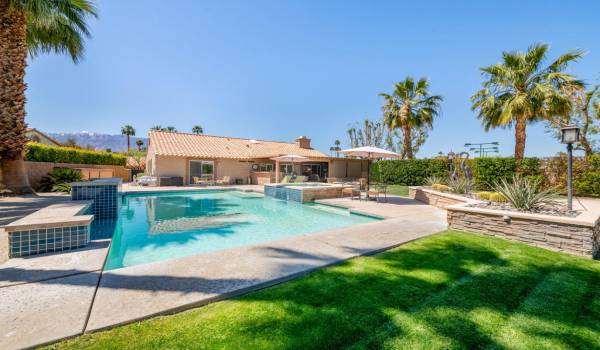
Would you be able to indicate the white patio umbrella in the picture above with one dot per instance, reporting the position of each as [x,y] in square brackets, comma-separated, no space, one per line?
[370,153]
[290,158]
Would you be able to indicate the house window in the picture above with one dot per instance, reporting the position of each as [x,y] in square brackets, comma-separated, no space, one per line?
[264,167]
[286,168]
[201,171]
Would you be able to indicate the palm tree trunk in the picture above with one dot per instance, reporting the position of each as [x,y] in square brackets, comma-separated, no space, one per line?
[128,143]
[520,137]
[407,141]
[13,55]
[585,144]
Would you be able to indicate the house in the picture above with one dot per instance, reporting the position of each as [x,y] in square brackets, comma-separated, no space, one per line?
[35,135]
[194,158]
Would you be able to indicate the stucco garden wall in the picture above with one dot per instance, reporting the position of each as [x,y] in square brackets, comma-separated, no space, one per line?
[37,170]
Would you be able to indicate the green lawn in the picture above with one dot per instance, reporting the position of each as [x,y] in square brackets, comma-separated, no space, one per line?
[399,190]
[451,290]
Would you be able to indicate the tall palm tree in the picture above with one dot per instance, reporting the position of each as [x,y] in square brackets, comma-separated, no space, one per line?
[337,149]
[34,27]
[197,129]
[139,144]
[521,90]
[410,106]
[128,131]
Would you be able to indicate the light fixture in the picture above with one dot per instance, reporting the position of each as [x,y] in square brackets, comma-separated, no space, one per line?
[569,134]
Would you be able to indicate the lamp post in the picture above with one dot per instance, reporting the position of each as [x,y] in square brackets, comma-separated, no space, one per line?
[569,135]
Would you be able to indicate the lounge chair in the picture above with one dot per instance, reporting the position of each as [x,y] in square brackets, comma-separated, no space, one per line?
[300,178]
[377,191]
[147,180]
[226,180]
[286,179]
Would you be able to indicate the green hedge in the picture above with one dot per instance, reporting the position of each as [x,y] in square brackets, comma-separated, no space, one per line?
[37,152]
[551,172]
[408,172]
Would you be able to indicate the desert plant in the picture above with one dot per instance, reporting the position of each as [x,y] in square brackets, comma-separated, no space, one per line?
[524,193]
[485,195]
[57,178]
[497,197]
[435,179]
[440,187]
[460,185]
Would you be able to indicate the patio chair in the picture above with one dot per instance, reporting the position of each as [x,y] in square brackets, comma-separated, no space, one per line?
[353,191]
[377,191]
[226,180]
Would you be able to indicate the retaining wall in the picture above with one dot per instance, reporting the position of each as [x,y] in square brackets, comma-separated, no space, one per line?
[37,170]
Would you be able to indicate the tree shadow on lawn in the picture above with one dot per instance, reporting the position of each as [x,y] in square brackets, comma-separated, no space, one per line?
[442,294]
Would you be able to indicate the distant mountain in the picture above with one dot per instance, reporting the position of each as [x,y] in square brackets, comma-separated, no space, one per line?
[101,142]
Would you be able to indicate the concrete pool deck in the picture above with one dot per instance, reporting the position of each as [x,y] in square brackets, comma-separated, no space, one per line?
[45,300]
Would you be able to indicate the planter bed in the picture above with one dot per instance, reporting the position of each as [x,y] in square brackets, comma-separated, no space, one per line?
[578,235]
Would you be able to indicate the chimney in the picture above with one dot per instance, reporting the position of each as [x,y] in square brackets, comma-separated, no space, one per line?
[303,142]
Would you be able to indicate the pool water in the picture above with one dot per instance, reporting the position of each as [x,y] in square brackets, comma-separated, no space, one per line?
[155,227]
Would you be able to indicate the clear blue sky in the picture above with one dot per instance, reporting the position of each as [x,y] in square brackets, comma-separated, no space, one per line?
[279,69]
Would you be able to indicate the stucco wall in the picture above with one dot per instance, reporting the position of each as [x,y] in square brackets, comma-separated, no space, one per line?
[37,170]
[356,168]
[171,166]
[233,168]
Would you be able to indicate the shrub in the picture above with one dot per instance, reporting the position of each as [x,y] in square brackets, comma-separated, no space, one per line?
[410,172]
[524,193]
[459,185]
[497,197]
[59,179]
[485,195]
[42,153]
[488,171]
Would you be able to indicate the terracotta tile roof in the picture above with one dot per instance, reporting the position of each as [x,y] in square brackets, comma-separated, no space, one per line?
[205,146]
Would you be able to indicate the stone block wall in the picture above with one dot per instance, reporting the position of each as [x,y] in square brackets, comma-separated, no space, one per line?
[554,235]
[434,198]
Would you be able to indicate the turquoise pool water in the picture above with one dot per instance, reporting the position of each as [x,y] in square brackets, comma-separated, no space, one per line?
[154,227]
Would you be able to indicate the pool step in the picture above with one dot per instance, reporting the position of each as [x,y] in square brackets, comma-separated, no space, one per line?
[331,209]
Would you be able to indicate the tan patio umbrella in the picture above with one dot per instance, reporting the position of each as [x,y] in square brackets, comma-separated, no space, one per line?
[290,158]
[370,153]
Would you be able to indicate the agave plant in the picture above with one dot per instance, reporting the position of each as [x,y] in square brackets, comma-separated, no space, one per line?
[59,179]
[460,185]
[524,193]
[435,179]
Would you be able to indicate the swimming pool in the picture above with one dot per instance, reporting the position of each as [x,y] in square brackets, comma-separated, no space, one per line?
[155,227]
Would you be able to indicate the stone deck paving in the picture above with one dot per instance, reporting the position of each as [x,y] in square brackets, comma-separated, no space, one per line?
[50,297]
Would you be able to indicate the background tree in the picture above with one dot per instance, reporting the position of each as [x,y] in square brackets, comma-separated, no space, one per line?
[197,129]
[585,112]
[156,128]
[71,142]
[412,109]
[34,27]
[139,144]
[170,129]
[128,131]
[367,133]
[521,90]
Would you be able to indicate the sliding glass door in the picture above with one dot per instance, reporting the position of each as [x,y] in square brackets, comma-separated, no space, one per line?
[201,171]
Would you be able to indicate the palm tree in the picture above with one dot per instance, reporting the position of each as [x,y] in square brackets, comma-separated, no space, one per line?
[128,131]
[410,106]
[337,148]
[34,27]
[197,129]
[139,144]
[170,129]
[156,128]
[521,90]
